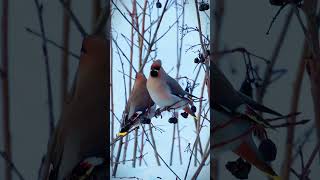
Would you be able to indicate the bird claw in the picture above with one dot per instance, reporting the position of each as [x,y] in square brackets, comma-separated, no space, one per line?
[145,121]
[259,131]
[158,113]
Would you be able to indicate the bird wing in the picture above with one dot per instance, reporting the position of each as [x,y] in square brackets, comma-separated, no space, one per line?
[175,87]
[136,106]
[71,94]
[54,153]
[223,92]
[253,104]
[251,115]
[226,96]
[177,90]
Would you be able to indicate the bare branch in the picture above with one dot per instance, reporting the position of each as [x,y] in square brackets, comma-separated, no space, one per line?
[12,165]
[74,18]
[53,43]
[46,60]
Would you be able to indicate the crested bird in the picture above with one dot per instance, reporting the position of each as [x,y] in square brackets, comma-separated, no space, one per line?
[80,136]
[234,120]
[166,91]
[140,107]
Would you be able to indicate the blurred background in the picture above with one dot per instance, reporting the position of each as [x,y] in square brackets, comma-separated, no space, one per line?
[244,24]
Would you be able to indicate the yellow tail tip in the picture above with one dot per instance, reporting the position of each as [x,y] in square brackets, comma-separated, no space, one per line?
[276,178]
[122,133]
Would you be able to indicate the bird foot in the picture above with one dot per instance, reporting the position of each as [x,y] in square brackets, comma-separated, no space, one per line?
[158,113]
[145,121]
[259,131]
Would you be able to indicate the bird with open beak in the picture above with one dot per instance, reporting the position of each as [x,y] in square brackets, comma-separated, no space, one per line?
[140,107]
[166,91]
[234,120]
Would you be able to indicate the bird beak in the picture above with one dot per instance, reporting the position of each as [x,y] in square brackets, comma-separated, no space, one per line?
[154,72]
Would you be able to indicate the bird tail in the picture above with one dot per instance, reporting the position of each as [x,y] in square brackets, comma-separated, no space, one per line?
[248,152]
[276,178]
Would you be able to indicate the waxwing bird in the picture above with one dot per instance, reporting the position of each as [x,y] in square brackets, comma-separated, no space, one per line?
[234,120]
[226,99]
[81,134]
[140,107]
[166,91]
[234,134]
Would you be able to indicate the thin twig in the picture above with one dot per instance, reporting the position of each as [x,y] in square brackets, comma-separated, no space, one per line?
[159,154]
[47,67]
[111,103]
[53,43]
[154,145]
[308,164]
[114,171]
[313,64]
[65,55]
[74,18]
[5,87]
[274,57]
[115,42]
[204,159]
[11,165]
[128,20]
[133,14]
[154,36]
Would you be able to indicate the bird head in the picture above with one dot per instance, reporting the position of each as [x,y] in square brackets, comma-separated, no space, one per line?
[96,47]
[140,76]
[141,80]
[155,68]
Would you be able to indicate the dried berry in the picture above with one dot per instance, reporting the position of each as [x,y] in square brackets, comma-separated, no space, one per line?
[186,89]
[184,114]
[193,109]
[173,120]
[203,6]
[268,150]
[196,60]
[158,4]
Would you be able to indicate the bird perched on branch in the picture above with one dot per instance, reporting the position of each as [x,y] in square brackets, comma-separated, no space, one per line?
[140,107]
[166,91]
[234,120]
[81,134]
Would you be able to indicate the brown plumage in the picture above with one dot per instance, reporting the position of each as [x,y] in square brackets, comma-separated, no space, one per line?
[82,129]
[139,100]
